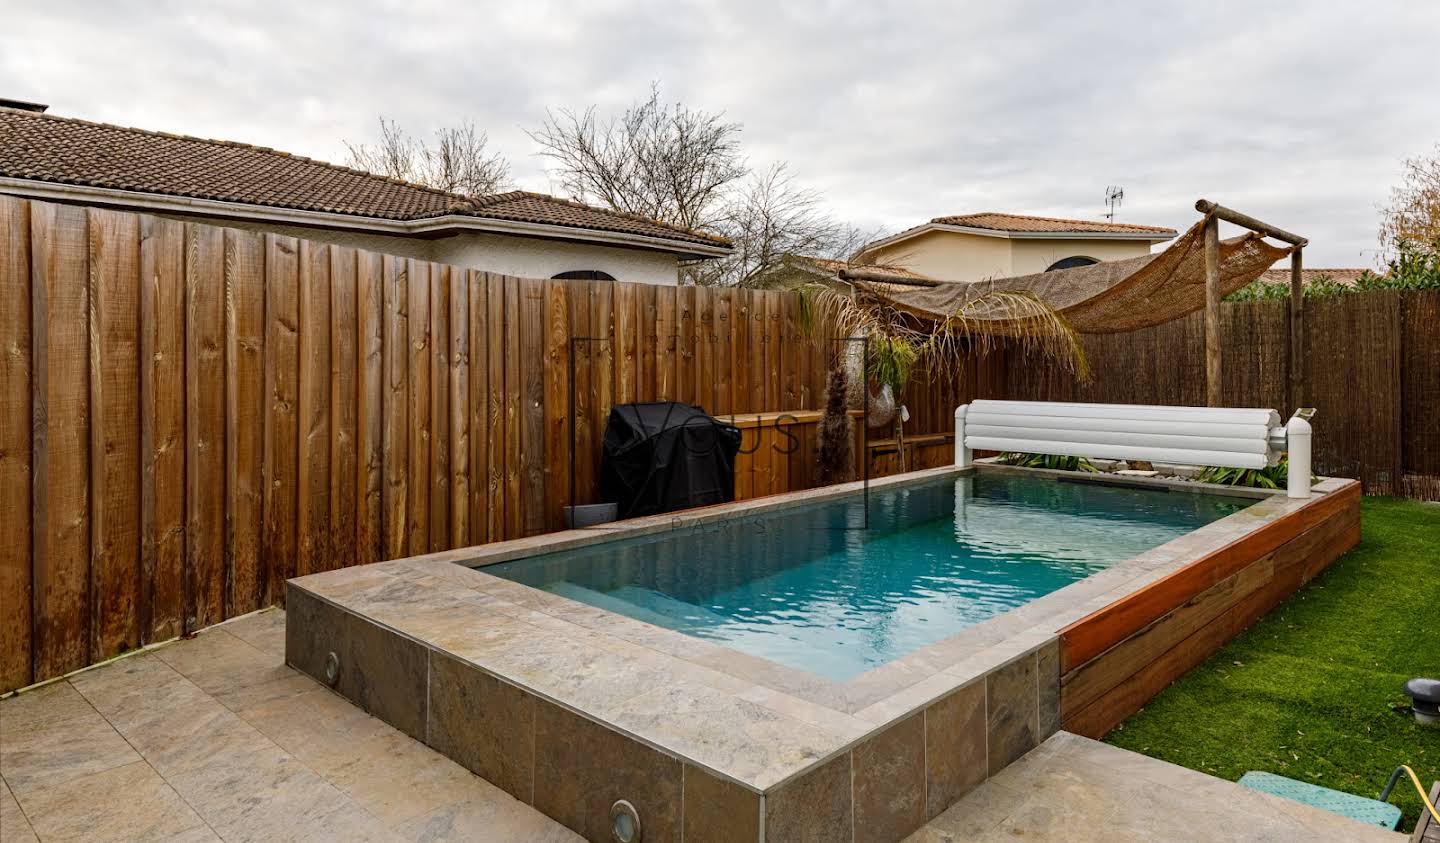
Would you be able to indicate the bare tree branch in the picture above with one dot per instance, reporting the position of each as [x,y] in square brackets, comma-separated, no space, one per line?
[458,162]
[1413,215]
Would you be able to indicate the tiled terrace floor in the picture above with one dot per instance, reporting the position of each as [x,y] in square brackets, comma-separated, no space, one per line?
[214,738]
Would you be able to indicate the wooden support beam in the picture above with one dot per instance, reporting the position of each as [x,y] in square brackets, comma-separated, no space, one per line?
[1297,331]
[1205,206]
[1212,312]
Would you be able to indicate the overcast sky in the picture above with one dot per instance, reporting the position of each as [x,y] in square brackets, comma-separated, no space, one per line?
[895,112]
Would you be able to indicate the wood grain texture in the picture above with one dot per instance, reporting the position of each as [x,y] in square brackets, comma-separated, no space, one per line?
[344,405]
[60,401]
[459,385]
[515,507]
[15,457]
[282,424]
[439,472]
[495,406]
[244,422]
[479,409]
[204,425]
[114,262]
[370,409]
[395,526]
[419,398]
[532,337]
[557,401]
[313,526]
[162,428]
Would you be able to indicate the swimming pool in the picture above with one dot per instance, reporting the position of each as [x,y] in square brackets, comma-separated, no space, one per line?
[821,589]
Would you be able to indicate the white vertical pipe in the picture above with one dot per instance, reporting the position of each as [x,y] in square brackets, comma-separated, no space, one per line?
[963,456]
[1298,434]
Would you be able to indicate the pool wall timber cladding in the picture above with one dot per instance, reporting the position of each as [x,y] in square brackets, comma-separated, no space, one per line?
[1119,657]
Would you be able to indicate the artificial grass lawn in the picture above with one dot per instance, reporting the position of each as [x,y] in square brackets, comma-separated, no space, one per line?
[1311,690]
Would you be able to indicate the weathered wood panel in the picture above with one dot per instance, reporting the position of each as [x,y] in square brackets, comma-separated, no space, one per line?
[396,413]
[282,423]
[370,409]
[532,339]
[418,465]
[439,471]
[344,404]
[313,519]
[115,435]
[204,425]
[15,456]
[60,400]
[244,421]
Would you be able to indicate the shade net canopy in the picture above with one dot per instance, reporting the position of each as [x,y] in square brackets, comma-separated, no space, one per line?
[665,456]
[1103,298]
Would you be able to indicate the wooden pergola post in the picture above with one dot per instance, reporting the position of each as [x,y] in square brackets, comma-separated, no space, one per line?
[1213,214]
[1212,312]
[1297,330]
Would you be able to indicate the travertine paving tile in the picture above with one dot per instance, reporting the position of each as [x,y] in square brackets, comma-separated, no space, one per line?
[263,630]
[13,824]
[56,752]
[124,803]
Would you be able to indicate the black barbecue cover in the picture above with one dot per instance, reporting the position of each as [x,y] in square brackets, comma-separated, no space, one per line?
[666,456]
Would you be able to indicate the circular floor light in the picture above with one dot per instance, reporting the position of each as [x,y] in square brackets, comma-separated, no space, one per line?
[624,822]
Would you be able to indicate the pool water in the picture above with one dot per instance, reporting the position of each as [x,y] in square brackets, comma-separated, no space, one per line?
[820,589]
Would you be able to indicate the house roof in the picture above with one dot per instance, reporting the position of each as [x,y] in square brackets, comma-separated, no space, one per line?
[63,150]
[993,221]
[1346,276]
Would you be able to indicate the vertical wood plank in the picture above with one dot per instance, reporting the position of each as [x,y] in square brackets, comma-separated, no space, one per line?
[557,401]
[724,352]
[755,351]
[370,411]
[602,367]
[115,436]
[15,465]
[282,423]
[774,359]
[495,405]
[686,389]
[626,342]
[396,431]
[707,393]
[60,304]
[418,517]
[204,425]
[244,420]
[579,433]
[515,509]
[532,426]
[648,327]
[162,427]
[479,409]
[666,344]
[439,470]
[344,404]
[313,517]
[459,315]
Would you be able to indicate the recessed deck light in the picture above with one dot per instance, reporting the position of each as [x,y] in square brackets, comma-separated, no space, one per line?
[624,822]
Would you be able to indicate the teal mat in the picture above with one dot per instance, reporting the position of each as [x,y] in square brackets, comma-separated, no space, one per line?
[1368,811]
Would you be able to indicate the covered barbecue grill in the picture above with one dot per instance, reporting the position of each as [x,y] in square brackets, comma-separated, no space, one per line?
[666,456]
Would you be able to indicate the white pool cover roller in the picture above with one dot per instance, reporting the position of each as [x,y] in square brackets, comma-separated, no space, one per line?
[1218,436]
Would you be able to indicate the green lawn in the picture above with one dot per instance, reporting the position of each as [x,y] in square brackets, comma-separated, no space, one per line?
[1311,690]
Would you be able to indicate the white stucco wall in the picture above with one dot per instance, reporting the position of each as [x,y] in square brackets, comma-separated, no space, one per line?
[958,256]
[525,257]
[1038,255]
[950,255]
[529,257]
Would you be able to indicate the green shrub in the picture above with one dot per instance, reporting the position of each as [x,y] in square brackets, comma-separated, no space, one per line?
[1414,267]
[1270,477]
[1050,461]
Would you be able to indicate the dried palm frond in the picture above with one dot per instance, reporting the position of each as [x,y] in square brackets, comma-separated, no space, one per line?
[1016,318]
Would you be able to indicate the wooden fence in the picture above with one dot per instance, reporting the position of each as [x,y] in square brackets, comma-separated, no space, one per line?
[189,415]
[1372,369]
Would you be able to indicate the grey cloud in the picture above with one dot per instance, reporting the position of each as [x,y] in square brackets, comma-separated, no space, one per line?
[896,112]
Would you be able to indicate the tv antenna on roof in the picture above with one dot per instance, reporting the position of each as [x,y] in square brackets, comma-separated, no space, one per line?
[1114,196]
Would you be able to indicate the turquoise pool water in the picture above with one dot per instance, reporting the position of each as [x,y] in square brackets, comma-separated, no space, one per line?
[814,589]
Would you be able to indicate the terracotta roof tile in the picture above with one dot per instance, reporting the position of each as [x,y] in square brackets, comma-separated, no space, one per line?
[1345,276]
[44,147]
[1021,223]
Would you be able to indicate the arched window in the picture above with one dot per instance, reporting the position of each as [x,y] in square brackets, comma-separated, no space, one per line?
[1070,263]
[584,275]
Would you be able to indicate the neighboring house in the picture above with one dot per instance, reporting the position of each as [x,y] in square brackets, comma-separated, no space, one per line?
[1345,277]
[793,271]
[973,247]
[531,235]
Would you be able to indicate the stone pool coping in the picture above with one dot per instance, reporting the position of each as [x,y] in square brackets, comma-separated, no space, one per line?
[733,718]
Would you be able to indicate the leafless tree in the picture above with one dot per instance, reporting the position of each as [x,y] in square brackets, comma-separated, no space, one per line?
[457,162]
[1413,215]
[659,160]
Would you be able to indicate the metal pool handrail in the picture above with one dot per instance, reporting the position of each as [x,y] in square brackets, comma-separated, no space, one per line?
[1212,436]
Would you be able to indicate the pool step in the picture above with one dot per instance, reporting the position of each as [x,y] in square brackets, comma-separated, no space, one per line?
[1368,811]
